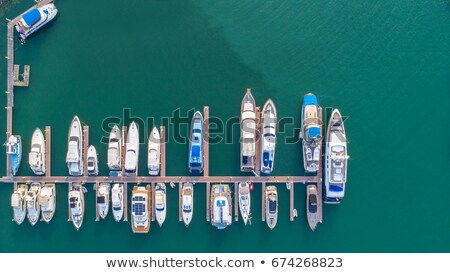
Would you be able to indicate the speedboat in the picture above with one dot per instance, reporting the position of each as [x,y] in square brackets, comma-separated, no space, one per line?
[311,133]
[271,206]
[103,200]
[117,201]
[33,208]
[76,205]
[115,149]
[132,153]
[244,201]
[14,151]
[268,138]
[140,209]
[221,206]
[34,19]
[47,201]
[18,203]
[336,158]
[92,161]
[187,197]
[196,144]
[36,157]
[74,157]
[248,132]
[160,203]
[154,153]
[311,206]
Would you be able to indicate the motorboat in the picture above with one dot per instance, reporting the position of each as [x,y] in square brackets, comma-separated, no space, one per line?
[74,157]
[33,208]
[19,204]
[117,201]
[115,149]
[221,206]
[34,19]
[311,133]
[248,132]
[311,206]
[103,199]
[187,197]
[154,146]
[132,150]
[47,201]
[196,144]
[268,137]
[244,201]
[160,203]
[36,157]
[92,161]
[271,206]
[14,152]
[140,209]
[76,205]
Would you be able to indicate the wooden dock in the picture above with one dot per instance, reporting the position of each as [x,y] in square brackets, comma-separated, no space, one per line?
[153,202]
[162,158]
[319,175]
[180,202]
[125,202]
[97,215]
[85,149]
[206,160]
[48,151]
[236,201]
[291,201]
[25,76]
[263,201]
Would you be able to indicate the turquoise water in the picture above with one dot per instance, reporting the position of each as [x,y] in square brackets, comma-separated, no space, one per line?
[384,64]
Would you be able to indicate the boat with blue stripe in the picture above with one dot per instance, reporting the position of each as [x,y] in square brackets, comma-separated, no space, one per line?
[268,138]
[196,144]
[14,151]
[311,133]
[35,19]
[221,206]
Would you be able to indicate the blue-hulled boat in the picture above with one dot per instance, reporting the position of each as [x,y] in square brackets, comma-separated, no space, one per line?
[268,138]
[311,133]
[34,19]
[196,144]
[221,206]
[14,151]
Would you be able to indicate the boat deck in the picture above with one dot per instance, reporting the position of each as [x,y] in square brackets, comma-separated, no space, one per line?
[216,193]
[148,210]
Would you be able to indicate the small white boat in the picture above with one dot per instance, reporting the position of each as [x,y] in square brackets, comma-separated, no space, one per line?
[132,153]
[18,203]
[74,157]
[271,206]
[34,19]
[103,200]
[140,209]
[221,206]
[117,201]
[311,206]
[14,151]
[248,132]
[154,144]
[188,202]
[76,205]
[268,137]
[115,149]
[47,201]
[33,208]
[36,157]
[160,203]
[244,201]
[92,161]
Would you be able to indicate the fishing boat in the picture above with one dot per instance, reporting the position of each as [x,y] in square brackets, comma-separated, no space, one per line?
[36,157]
[196,144]
[187,197]
[14,151]
[103,200]
[271,206]
[140,209]
[311,133]
[244,201]
[115,149]
[47,201]
[18,203]
[74,157]
[117,201]
[269,138]
[248,132]
[160,203]
[221,206]
[311,206]
[92,161]
[336,158]
[154,144]
[34,19]
[33,208]
[132,152]
[76,205]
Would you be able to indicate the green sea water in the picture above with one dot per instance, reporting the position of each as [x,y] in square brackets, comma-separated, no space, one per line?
[384,64]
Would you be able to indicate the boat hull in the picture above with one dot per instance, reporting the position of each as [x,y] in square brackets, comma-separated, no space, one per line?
[74,157]
[160,203]
[132,150]
[188,203]
[77,213]
[115,149]
[271,206]
[245,201]
[36,157]
[268,137]
[154,153]
[47,14]
[311,206]
[117,201]
[48,206]
[248,133]
[196,144]
[140,221]
[311,133]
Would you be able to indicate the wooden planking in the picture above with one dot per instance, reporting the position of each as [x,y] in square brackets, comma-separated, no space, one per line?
[85,148]
[180,201]
[124,147]
[258,143]
[97,215]
[236,201]
[208,201]
[319,175]
[153,201]
[125,202]
[68,206]
[263,201]
[206,141]
[162,171]
[291,200]
[48,151]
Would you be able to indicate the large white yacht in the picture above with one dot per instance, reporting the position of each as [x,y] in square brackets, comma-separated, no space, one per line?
[117,201]
[311,133]
[33,208]
[154,153]
[76,205]
[268,137]
[74,157]
[132,153]
[271,206]
[115,149]
[244,201]
[34,19]
[47,201]
[248,132]
[140,209]
[36,157]
[196,144]
[311,206]
[18,203]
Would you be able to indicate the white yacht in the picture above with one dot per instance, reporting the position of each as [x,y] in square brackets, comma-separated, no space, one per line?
[92,161]
[36,157]
[311,206]
[221,206]
[34,19]
[14,152]
[271,206]
[74,157]
[244,201]
[154,153]
[115,149]
[103,199]
[76,205]
[311,133]
[18,203]
[248,132]
[188,202]
[336,158]
[117,201]
[196,144]
[140,209]
[160,203]
[268,137]
[33,208]
[132,152]
[47,201]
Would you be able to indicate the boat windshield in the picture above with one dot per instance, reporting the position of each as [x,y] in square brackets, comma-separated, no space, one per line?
[312,206]
[272,206]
